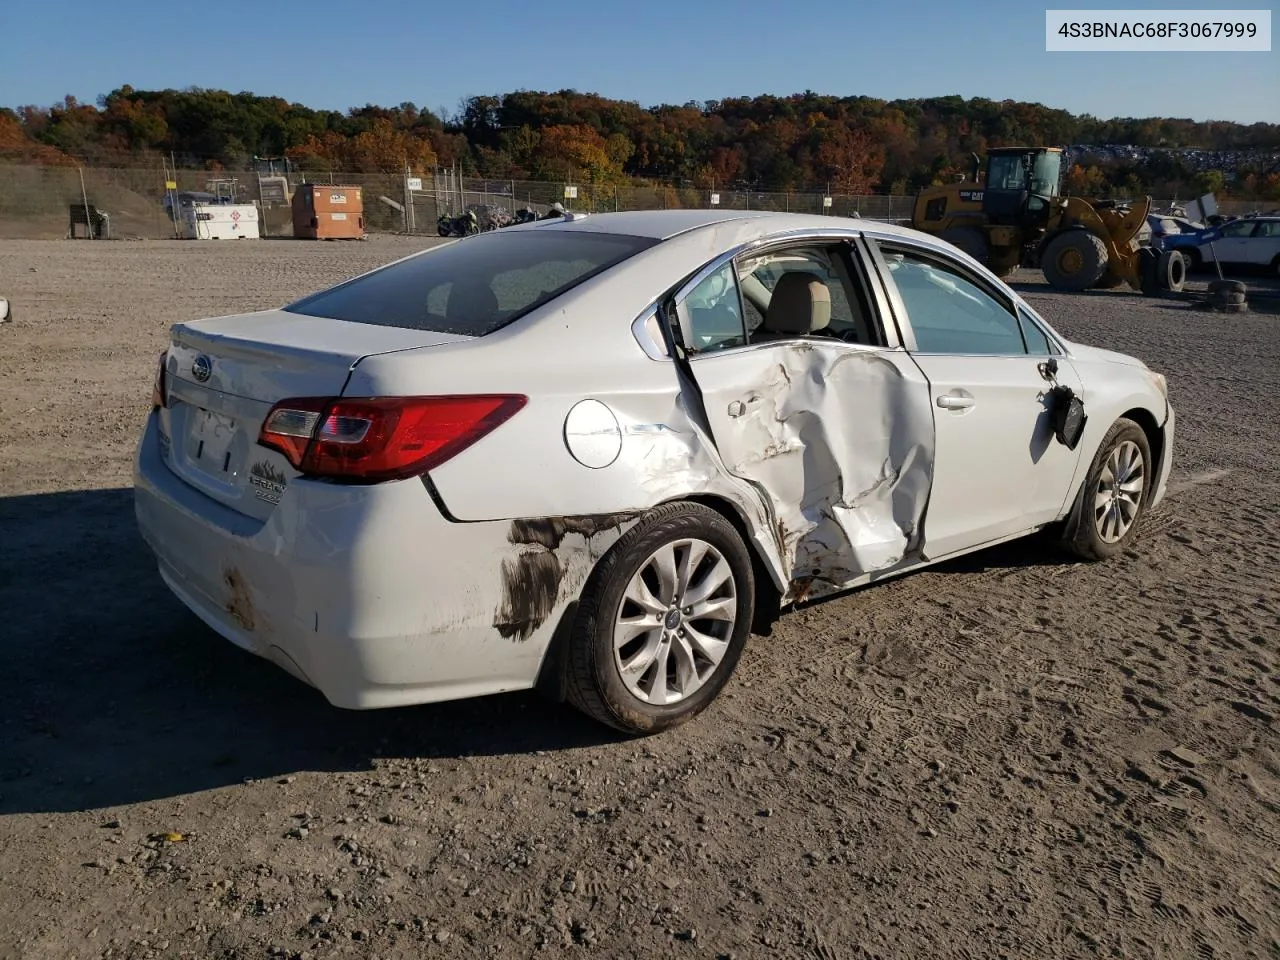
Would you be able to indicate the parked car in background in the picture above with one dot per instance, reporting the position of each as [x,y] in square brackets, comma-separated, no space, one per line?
[592,454]
[1162,227]
[1250,243]
[1166,226]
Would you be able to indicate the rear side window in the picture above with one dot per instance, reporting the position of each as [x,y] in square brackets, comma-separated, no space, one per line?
[476,285]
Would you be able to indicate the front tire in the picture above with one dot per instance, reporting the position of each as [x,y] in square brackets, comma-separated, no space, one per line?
[1074,260]
[1113,499]
[662,621]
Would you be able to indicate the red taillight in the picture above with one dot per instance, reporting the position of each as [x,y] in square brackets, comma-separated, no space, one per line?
[386,438]
[159,389]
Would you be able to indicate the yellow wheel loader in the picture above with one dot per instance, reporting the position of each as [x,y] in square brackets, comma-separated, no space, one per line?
[1014,216]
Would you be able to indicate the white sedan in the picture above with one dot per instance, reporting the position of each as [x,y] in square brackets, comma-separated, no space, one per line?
[590,455]
[1252,242]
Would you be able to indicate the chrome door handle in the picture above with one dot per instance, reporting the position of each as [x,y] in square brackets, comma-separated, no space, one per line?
[951,402]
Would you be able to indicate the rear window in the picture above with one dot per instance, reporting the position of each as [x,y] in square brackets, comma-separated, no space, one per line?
[474,286]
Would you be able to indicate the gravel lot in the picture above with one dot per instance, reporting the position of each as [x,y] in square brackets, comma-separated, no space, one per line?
[1009,756]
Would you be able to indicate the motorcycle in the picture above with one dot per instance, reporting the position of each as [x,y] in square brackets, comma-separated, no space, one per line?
[463,225]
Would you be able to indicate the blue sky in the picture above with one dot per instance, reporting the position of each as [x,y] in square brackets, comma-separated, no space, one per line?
[330,55]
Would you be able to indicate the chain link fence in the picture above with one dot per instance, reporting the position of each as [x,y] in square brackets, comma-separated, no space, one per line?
[45,202]
[41,202]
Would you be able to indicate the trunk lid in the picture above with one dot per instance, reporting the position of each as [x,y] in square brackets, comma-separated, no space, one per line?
[225,374]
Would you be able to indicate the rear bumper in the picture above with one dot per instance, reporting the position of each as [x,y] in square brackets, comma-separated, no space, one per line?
[365,592]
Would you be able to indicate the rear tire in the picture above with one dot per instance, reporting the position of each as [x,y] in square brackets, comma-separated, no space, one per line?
[678,661]
[1074,260]
[1113,498]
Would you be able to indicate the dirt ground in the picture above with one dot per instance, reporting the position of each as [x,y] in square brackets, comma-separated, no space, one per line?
[1010,756]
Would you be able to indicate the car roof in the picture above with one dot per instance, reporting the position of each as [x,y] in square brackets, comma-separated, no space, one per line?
[664,224]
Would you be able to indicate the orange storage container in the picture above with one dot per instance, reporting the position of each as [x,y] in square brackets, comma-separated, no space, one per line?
[323,212]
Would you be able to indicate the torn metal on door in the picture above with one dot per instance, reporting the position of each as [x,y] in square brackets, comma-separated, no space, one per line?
[839,441]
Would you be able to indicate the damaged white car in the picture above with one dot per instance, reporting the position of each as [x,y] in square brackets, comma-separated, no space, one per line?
[590,455]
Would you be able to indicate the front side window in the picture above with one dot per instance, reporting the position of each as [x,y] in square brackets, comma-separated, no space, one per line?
[948,311]
[1241,229]
[843,316]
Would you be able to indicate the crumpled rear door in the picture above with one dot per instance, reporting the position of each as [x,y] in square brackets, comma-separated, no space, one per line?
[838,439]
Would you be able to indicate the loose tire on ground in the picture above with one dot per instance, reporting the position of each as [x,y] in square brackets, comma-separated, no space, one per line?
[594,681]
[969,239]
[1172,271]
[1227,286]
[1074,260]
[1090,539]
[1225,298]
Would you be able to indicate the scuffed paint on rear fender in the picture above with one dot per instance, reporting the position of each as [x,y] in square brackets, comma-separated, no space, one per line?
[550,563]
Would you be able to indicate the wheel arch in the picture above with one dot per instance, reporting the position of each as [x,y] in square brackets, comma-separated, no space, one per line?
[1151,429]
[1155,435]
[767,590]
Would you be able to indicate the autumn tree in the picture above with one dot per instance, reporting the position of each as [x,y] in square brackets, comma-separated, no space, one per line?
[16,146]
[569,152]
[384,149]
[799,141]
[849,159]
[1084,182]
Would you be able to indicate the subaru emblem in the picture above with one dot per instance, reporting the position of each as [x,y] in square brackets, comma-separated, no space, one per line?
[202,368]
